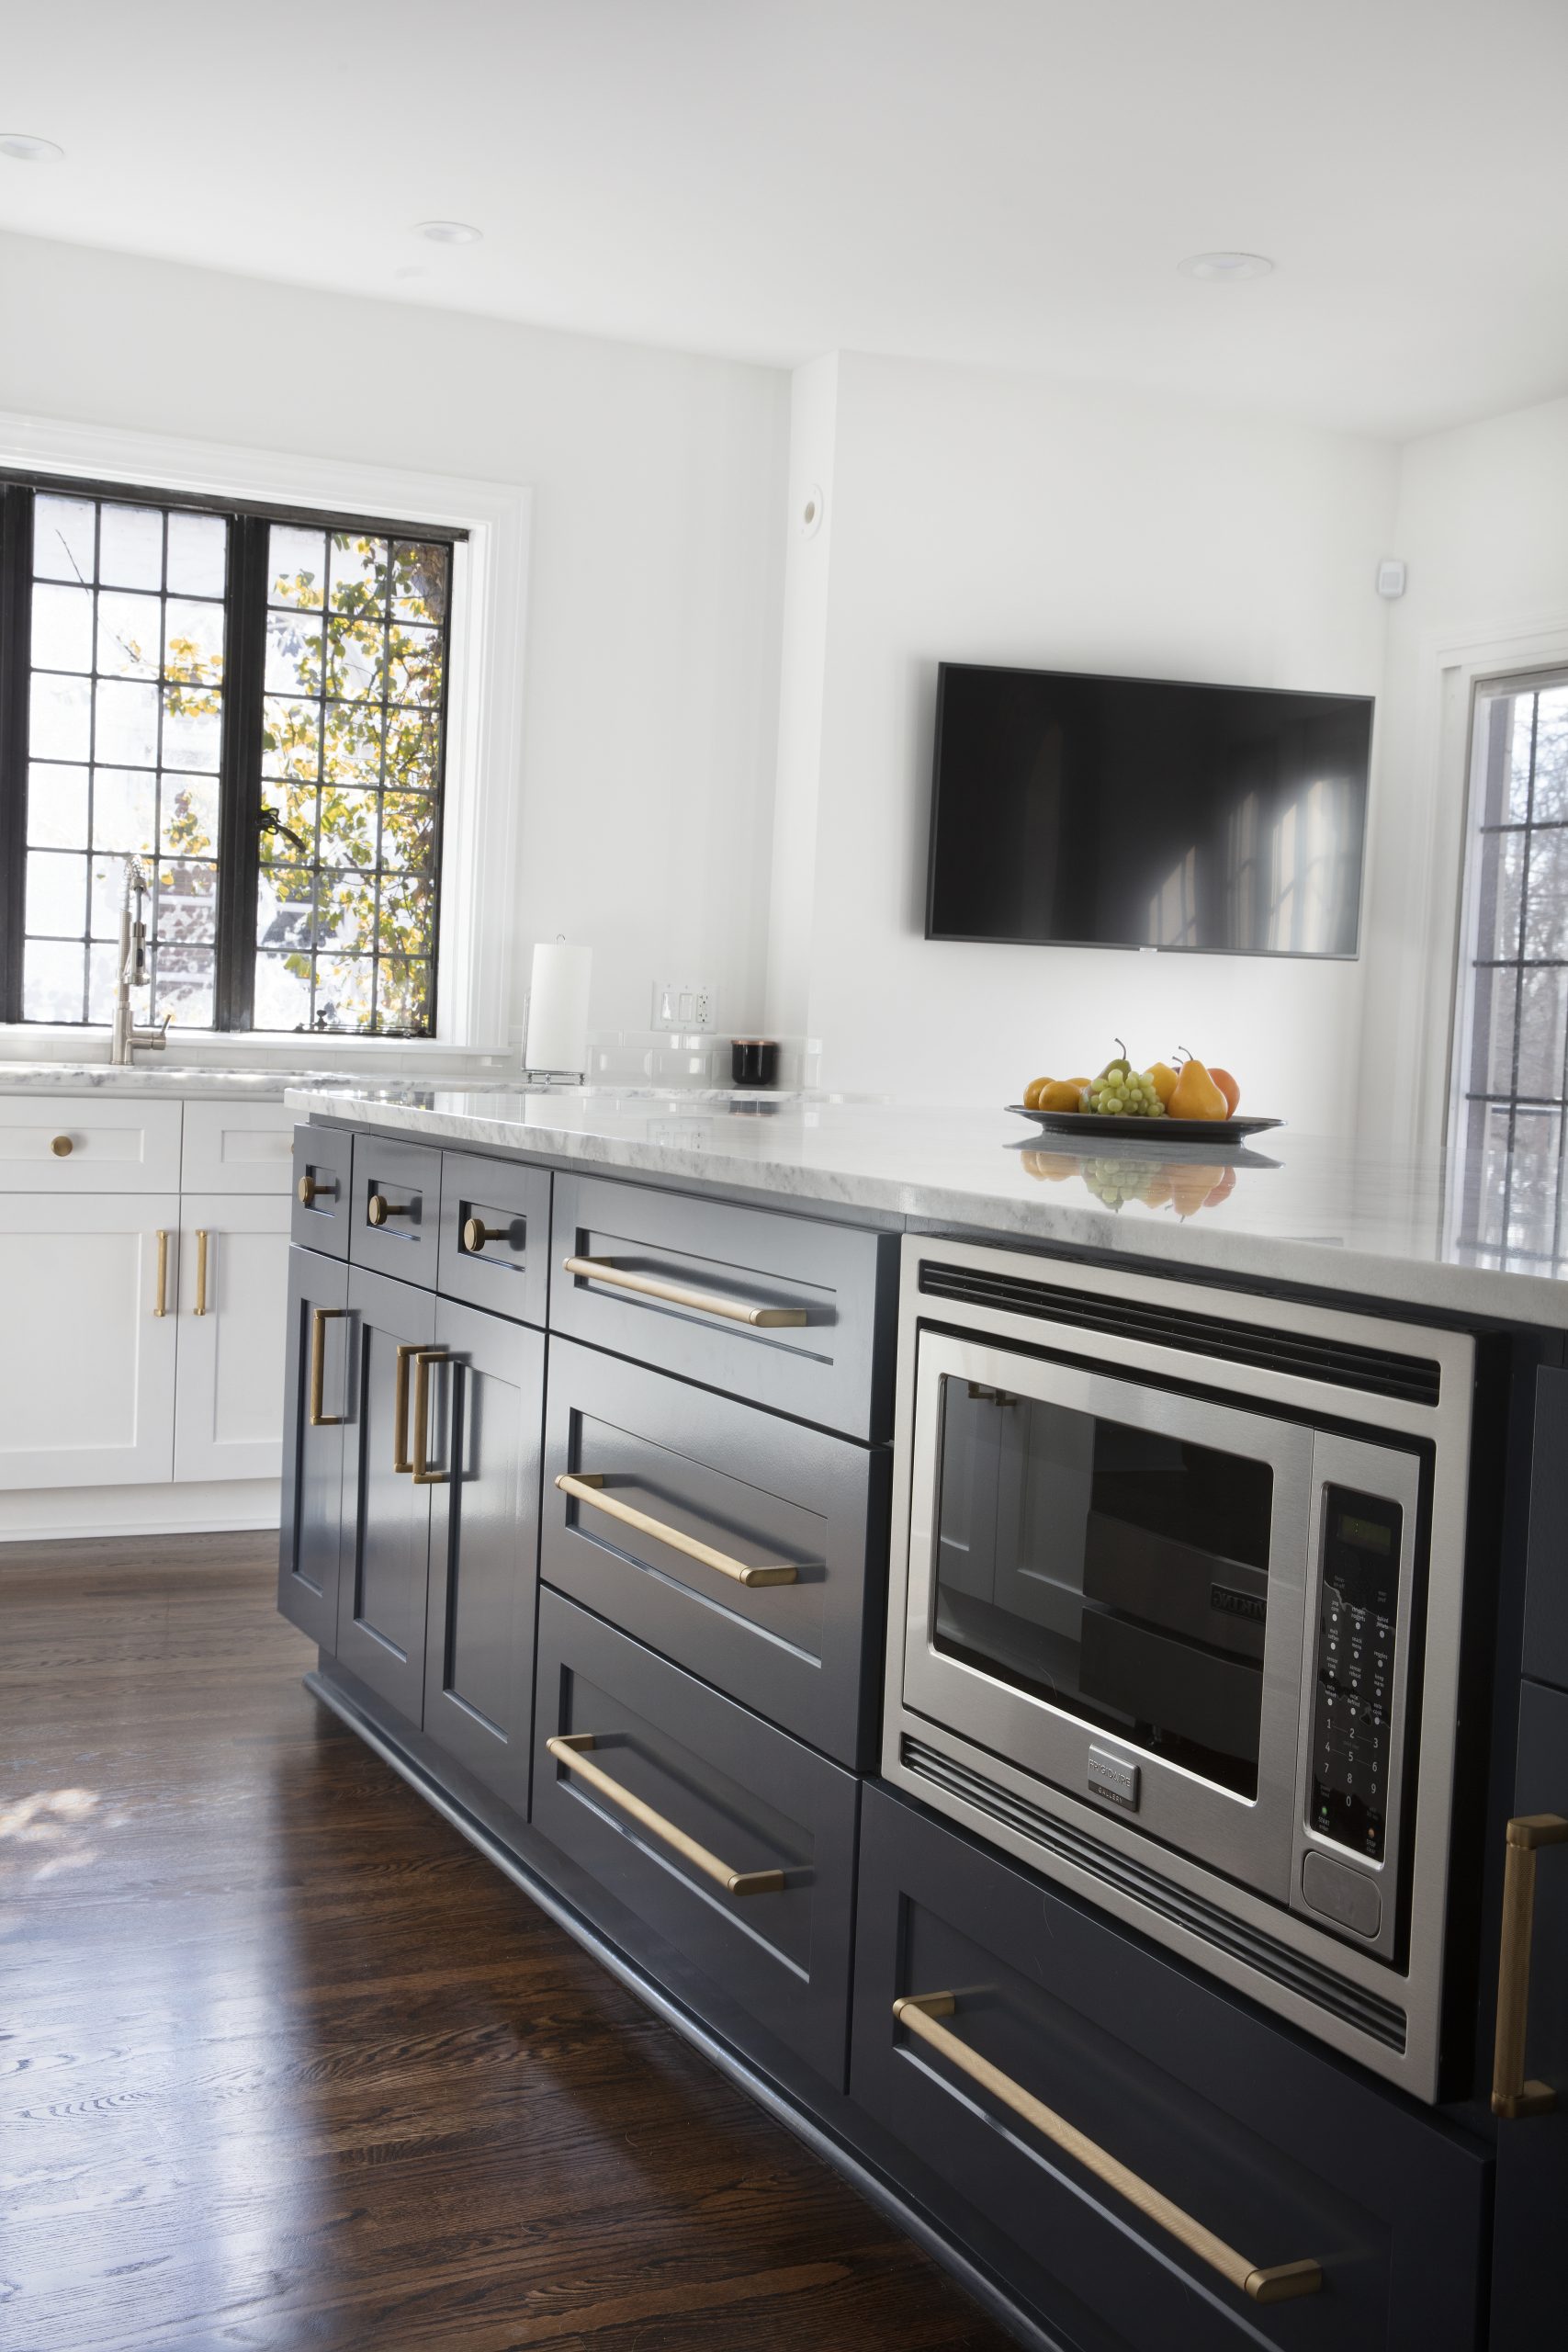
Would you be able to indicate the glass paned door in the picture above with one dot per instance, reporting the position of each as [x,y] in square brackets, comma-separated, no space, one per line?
[1115,1571]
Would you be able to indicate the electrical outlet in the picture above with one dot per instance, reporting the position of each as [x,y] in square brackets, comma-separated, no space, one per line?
[682,1004]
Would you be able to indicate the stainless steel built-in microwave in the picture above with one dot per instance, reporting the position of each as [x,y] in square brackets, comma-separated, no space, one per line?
[1175,1618]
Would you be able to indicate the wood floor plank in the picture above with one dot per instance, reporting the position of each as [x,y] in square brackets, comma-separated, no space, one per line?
[285,2067]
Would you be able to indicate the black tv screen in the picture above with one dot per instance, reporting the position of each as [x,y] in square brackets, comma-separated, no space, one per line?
[1137,812]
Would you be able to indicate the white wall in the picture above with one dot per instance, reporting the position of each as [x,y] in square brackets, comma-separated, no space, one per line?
[650,729]
[978,516]
[1482,523]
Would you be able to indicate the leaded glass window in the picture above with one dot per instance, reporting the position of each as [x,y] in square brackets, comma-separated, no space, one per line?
[252,705]
[1512,1041]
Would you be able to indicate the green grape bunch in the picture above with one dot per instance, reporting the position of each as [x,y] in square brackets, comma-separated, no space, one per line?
[1122,1092]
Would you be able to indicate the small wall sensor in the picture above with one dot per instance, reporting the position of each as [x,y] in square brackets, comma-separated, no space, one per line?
[1390,577]
[810,512]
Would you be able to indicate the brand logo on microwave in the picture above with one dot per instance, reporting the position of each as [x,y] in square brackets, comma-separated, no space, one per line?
[1113,1777]
[1232,1603]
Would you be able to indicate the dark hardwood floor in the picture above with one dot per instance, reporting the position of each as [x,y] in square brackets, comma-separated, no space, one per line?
[284,2064]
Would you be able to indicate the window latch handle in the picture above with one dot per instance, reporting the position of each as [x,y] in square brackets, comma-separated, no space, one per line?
[269,821]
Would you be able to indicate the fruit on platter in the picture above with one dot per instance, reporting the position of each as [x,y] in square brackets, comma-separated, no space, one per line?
[1188,1089]
[1196,1096]
[1054,1094]
[1122,1092]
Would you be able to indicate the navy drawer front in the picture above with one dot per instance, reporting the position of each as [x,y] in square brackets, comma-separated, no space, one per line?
[322,1173]
[1279,2153]
[827,1294]
[804,1513]
[494,1249]
[776,1820]
[394,1216]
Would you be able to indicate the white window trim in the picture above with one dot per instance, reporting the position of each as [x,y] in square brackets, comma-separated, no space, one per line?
[484,711]
[1423,1005]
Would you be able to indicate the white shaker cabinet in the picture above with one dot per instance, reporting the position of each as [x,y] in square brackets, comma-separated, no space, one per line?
[233,1284]
[144,1274]
[88,1361]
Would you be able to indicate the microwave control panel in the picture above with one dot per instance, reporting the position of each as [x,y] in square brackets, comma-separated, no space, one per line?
[1358,1627]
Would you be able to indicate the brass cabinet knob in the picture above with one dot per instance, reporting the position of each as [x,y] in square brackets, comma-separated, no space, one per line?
[379,1208]
[63,1146]
[310,1192]
[476,1233]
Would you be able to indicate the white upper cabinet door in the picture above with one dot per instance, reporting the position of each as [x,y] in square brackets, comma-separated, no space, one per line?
[88,1361]
[237,1148]
[233,1324]
[64,1144]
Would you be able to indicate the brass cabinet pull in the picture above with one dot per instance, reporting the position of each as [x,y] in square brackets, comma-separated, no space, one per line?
[201,1270]
[161,1302]
[424,1475]
[703,1302]
[63,1146]
[319,1317]
[476,1233]
[309,1192]
[379,1208]
[587,1487]
[1282,2283]
[568,1748]
[407,1349]
[1512,2097]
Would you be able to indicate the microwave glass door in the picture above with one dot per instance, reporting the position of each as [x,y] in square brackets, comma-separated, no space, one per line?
[1119,1572]
[1101,1568]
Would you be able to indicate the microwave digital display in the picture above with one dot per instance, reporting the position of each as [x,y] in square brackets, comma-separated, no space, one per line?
[1366,1535]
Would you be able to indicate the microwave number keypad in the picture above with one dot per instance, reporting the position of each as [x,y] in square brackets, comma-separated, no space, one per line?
[1358,1614]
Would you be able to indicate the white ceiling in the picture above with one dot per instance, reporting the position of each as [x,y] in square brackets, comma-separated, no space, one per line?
[1008,182]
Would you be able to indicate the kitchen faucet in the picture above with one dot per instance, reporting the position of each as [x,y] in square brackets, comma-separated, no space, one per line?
[131,970]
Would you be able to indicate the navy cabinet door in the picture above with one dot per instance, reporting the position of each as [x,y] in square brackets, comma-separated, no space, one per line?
[1532,2150]
[1285,2156]
[316,1389]
[386,1551]
[1546,1596]
[487,1411]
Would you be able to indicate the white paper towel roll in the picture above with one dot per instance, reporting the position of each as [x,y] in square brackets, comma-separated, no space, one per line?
[558,1007]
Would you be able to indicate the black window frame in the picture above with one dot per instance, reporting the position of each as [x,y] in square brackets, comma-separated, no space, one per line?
[240,781]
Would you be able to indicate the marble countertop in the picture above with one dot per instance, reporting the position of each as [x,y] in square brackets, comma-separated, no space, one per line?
[171,1079]
[1473,1239]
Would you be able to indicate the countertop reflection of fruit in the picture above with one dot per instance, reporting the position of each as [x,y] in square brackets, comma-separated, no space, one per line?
[1051,1167]
[1184,1185]
[1196,1096]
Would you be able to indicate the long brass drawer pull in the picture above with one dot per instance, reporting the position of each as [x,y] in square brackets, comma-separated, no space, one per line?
[160,1302]
[424,1475]
[702,1302]
[1512,2097]
[587,1487]
[570,1748]
[407,1350]
[1282,2284]
[319,1317]
[201,1270]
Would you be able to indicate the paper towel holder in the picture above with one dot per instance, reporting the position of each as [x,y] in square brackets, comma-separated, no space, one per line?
[555,1026]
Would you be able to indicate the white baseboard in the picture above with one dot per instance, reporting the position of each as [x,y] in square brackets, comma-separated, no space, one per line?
[215,1506]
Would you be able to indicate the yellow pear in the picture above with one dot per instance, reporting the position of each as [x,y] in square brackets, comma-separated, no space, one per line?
[1196,1096]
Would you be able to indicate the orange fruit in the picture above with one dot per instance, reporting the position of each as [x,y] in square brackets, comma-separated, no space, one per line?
[1227,1086]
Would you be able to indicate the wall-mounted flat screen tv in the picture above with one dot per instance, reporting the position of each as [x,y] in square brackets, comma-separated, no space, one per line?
[1081,810]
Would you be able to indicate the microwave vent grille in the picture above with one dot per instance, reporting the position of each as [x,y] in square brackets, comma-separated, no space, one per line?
[1382,2021]
[1378,1370]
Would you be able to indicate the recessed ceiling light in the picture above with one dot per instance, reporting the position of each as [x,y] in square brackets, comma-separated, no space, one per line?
[1226,269]
[448,232]
[23,148]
